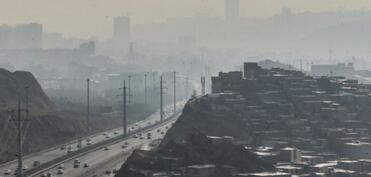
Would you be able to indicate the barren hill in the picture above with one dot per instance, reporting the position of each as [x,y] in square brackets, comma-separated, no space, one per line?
[189,144]
[13,84]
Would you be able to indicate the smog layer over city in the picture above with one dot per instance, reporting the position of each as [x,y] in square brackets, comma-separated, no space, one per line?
[185,88]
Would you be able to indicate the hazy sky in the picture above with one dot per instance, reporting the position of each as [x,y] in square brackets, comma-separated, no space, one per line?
[94,17]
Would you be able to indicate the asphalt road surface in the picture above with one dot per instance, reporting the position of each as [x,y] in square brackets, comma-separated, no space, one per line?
[55,152]
[104,161]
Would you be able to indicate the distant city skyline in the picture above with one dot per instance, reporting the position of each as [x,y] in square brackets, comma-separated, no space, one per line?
[85,18]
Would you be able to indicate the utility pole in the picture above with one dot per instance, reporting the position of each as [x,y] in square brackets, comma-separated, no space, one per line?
[208,80]
[20,132]
[187,96]
[161,99]
[26,124]
[88,104]
[145,88]
[20,145]
[203,85]
[174,97]
[27,89]
[154,87]
[129,88]
[124,109]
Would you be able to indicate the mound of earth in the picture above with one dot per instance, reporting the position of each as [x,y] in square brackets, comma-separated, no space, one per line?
[198,117]
[14,84]
[190,143]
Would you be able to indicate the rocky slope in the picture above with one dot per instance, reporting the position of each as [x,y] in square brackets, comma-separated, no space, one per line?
[189,143]
[41,127]
[198,117]
[13,85]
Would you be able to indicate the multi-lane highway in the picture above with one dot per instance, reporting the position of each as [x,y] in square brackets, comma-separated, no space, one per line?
[104,161]
[48,155]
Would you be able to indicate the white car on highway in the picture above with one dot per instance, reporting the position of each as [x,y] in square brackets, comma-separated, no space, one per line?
[108,135]
[61,166]
[7,172]
[25,167]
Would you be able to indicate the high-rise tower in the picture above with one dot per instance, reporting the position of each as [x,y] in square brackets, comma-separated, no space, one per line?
[232,9]
[121,34]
